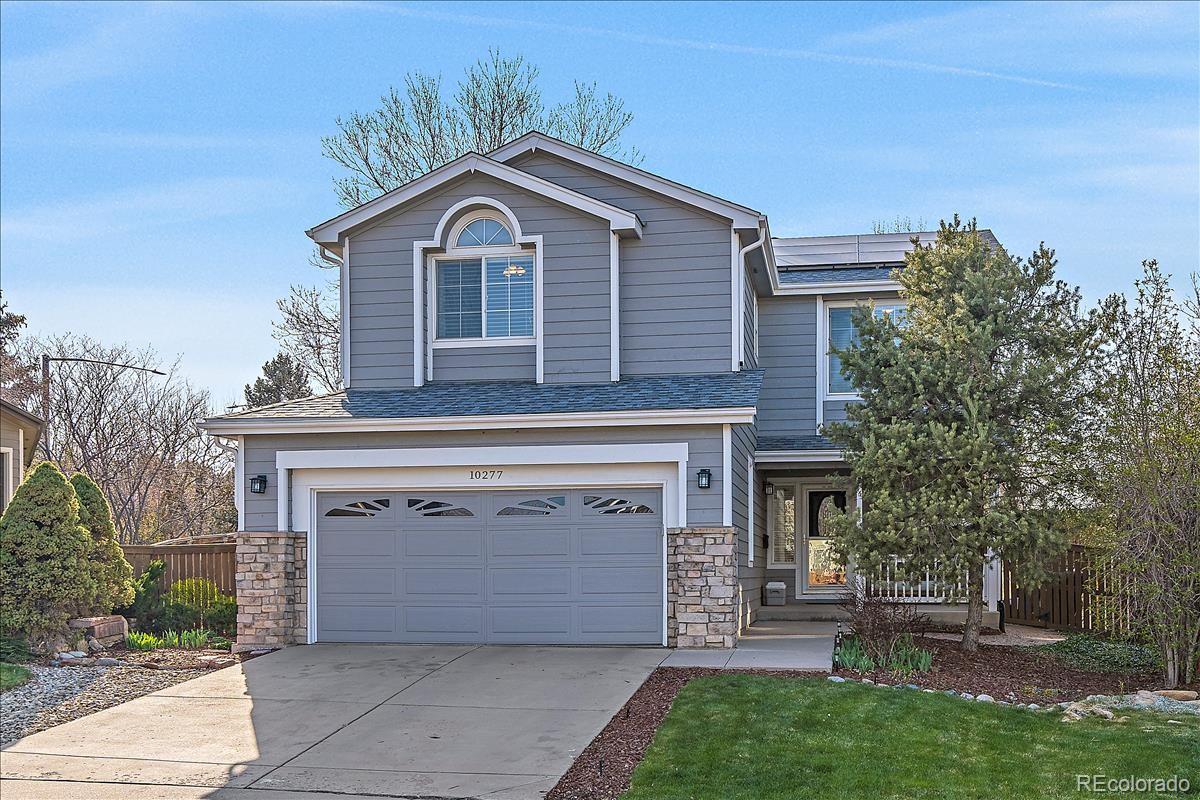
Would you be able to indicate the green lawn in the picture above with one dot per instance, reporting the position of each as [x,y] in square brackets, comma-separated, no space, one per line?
[12,675]
[734,736]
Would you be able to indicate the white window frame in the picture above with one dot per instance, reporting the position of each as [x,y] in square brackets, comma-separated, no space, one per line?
[825,372]
[482,254]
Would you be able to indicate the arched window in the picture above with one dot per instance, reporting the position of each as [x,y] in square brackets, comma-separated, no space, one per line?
[484,232]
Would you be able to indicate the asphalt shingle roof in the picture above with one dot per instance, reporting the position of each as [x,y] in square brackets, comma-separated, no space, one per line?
[800,277]
[655,393]
[770,443]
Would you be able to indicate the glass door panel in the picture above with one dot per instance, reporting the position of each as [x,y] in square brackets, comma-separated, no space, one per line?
[822,569]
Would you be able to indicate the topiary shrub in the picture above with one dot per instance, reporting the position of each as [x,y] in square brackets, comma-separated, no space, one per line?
[114,575]
[45,574]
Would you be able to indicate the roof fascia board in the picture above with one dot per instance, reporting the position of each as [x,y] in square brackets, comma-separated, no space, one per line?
[801,456]
[329,233]
[846,287]
[732,415]
[740,216]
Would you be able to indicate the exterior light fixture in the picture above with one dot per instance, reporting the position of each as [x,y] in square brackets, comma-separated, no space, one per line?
[513,270]
[258,484]
[769,489]
[704,479]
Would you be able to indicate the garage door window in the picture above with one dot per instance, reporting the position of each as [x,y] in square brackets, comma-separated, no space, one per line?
[438,508]
[534,507]
[600,504]
[359,508]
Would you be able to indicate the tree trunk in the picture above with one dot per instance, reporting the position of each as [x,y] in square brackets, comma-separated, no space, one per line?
[970,640]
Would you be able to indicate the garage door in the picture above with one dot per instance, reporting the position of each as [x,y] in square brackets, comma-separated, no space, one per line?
[557,566]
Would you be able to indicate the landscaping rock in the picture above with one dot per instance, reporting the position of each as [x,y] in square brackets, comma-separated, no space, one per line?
[868,681]
[967,696]
[832,678]
[985,698]
[1033,706]
[911,686]
[93,645]
[1177,694]
[77,654]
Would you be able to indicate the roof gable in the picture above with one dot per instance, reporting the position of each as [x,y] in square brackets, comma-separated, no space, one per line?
[329,233]
[740,216]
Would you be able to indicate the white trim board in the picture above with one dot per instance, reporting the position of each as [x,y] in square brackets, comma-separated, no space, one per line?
[839,287]
[727,475]
[800,456]
[329,233]
[737,415]
[614,308]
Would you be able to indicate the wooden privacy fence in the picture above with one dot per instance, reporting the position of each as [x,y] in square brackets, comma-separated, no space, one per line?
[1079,595]
[217,562]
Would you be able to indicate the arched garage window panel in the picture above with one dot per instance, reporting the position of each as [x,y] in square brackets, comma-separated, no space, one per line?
[601,504]
[360,508]
[438,508]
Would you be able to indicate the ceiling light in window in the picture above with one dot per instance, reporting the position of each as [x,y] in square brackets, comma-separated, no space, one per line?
[513,270]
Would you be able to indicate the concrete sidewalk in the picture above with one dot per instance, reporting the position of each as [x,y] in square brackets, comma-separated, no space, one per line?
[361,720]
[769,645]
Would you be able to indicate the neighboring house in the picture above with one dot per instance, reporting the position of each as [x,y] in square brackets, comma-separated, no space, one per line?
[590,414]
[19,433]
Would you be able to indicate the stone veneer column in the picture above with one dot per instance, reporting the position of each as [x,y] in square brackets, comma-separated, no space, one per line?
[702,587]
[271,576]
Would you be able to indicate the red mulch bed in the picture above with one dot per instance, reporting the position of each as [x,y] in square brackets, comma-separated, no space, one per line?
[997,670]
[604,769]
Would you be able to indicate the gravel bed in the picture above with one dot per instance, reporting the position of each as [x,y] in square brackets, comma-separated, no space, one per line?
[55,695]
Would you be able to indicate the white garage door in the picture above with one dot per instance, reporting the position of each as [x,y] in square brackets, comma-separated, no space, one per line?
[549,566]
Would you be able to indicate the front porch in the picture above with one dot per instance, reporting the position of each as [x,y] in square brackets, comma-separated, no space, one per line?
[830,611]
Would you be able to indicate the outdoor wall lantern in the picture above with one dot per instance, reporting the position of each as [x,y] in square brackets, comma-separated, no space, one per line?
[704,478]
[769,489]
[258,484]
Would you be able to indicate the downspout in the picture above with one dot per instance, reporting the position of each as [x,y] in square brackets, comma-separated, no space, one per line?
[762,238]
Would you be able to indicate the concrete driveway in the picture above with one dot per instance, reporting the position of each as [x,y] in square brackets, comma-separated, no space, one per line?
[367,720]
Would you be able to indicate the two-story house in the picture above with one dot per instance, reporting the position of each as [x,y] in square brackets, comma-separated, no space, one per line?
[582,404]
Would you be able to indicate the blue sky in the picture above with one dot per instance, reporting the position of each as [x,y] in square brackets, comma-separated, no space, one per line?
[159,163]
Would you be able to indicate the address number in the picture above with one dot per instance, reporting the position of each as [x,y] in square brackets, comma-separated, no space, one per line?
[485,474]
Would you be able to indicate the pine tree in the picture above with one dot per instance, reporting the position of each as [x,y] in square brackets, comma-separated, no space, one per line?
[966,443]
[45,576]
[283,378]
[113,574]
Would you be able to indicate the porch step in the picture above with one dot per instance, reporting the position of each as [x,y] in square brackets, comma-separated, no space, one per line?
[830,612]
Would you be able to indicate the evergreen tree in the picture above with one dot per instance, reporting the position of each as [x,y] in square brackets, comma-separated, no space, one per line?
[966,443]
[113,574]
[283,378]
[45,575]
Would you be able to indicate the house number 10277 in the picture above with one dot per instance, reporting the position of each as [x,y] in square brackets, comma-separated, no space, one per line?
[485,474]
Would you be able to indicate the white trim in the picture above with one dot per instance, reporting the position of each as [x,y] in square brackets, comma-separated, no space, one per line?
[736,302]
[737,415]
[614,308]
[494,341]
[509,223]
[283,496]
[239,482]
[422,355]
[822,354]
[840,287]
[739,215]
[20,466]
[374,458]
[750,492]
[806,456]
[9,487]
[331,231]
[344,299]
[726,475]
[539,348]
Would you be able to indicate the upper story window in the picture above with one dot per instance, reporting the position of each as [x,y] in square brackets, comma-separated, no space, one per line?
[488,295]
[842,333]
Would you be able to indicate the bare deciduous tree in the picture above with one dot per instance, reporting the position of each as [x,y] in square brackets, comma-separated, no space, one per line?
[136,435]
[309,330]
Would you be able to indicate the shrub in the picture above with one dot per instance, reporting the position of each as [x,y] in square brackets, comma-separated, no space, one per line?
[45,575]
[880,625]
[14,650]
[198,602]
[1093,654]
[147,607]
[114,576]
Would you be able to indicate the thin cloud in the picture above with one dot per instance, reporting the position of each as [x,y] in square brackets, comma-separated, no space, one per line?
[701,45]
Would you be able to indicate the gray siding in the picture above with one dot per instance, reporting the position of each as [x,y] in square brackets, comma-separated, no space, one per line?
[575,285]
[749,577]
[675,280]
[704,451]
[749,324]
[787,353]
[516,363]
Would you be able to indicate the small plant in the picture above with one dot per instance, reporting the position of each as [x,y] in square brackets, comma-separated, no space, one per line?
[907,659]
[218,642]
[137,640]
[851,655]
[1094,654]
[198,603]
[880,624]
[195,639]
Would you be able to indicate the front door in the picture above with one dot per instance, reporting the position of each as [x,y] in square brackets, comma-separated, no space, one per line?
[820,569]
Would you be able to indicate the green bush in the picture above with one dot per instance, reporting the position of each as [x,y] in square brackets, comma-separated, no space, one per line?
[138,640]
[114,576]
[14,650]
[851,655]
[198,602]
[194,639]
[45,574]
[148,607]
[1093,654]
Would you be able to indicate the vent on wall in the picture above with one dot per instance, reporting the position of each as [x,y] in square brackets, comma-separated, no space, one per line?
[360,508]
